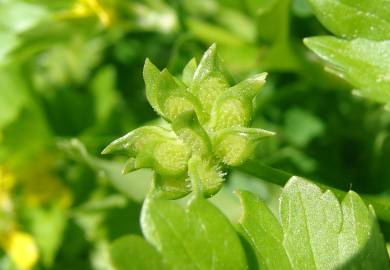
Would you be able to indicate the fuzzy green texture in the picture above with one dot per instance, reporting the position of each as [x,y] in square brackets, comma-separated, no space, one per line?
[208,127]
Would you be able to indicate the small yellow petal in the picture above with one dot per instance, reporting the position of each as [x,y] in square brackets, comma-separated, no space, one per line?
[21,248]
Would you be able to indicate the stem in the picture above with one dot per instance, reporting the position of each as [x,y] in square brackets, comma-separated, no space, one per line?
[279,177]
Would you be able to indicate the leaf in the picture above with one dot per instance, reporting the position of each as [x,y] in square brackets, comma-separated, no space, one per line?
[197,237]
[134,186]
[104,92]
[311,221]
[363,63]
[132,252]
[316,231]
[12,95]
[263,231]
[352,19]
[48,226]
[302,126]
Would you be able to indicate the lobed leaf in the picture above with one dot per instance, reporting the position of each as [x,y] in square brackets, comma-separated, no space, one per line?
[263,231]
[316,231]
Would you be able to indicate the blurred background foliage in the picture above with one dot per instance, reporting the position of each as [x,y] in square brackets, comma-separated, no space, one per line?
[71,82]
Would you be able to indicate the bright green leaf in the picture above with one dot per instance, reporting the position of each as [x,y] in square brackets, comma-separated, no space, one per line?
[316,231]
[319,233]
[352,19]
[363,63]
[197,237]
[264,233]
[134,253]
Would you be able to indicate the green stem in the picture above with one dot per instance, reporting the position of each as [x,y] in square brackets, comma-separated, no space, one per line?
[279,177]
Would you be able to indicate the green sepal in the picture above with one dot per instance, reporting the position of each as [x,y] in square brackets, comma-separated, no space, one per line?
[152,76]
[235,145]
[189,71]
[167,95]
[170,187]
[188,128]
[234,107]
[152,147]
[209,80]
[174,99]
[206,175]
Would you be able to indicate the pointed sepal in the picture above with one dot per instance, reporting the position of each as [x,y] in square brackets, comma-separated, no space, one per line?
[235,145]
[234,107]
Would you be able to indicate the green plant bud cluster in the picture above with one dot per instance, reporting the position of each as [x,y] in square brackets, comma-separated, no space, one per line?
[208,128]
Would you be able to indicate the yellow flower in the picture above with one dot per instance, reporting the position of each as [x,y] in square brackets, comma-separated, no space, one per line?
[7,182]
[84,8]
[21,248]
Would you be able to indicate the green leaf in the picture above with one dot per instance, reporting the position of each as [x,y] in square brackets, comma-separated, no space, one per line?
[363,63]
[352,19]
[132,252]
[12,95]
[264,233]
[48,226]
[302,126]
[197,237]
[361,238]
[104,92]
[134,185]
[316,231]
[319,233]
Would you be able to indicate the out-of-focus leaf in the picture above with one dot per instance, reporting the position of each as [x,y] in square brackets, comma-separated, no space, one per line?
[197,237]
[12,95]
[352,19]
[363,63]
[17,16]
[302,8]
[274,30]
[105,95]
[134,253]
[134,185]
[301,126]
[211,33]
[48,227]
